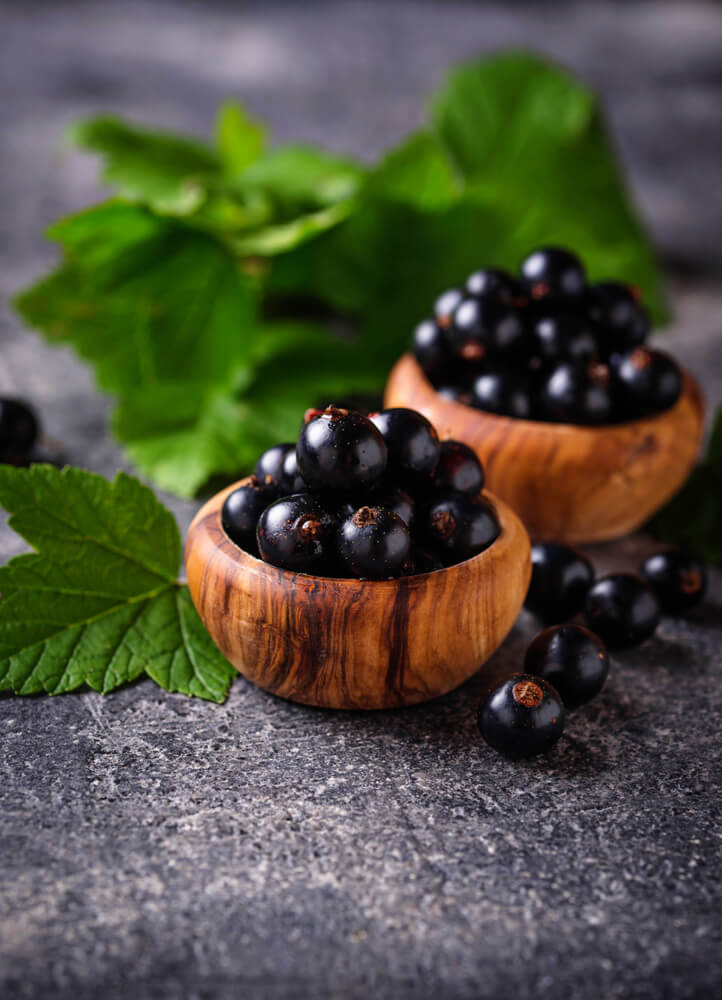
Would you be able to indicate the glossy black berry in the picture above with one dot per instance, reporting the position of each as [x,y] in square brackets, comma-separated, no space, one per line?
[622,609]
[431,347]
[458,527]
[645,382]
[678,578]
[341,450]
[445,306]
[503,391]
[522,717]
[18,431]
[459,470]
[553,273]
[573,396]
[560,581]
[243,507]
[390,497]
[374,542]
[491,282]
[563,337]
[572,659]
[296,533]
[484,328]
[621,322]
[291,479]
[271,463]
[412,443]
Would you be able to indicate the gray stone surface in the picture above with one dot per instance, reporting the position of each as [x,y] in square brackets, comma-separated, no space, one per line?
[152,846]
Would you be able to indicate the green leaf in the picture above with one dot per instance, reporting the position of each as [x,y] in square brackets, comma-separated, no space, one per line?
[418,173]
[180,435]
[166,171]
[530,138]
[97,602]
[693,517]
[145,300]
[301,179]
[241,141]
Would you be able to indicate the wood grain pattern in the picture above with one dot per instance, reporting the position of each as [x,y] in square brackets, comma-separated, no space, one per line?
[578,484]
[350,643]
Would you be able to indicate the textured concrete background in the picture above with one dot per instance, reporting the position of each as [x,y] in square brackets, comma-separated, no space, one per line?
[152,846]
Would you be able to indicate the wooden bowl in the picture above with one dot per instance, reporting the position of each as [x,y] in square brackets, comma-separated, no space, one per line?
[353,643]
[576,484]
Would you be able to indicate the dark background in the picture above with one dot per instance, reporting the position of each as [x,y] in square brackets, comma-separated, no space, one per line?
[154,846]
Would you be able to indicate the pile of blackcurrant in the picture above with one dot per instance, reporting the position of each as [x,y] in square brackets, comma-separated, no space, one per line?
[19,429]
[546,346]
[373,497]
[567,664]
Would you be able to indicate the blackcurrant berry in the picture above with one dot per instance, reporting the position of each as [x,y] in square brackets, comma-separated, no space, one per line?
[621,321]
[483,327]
[573,396]
[412,443]
[374,542]
[502,391]
[552,272]
[563,337]
[494,283]
[459,470]
[678,578]
[645,382]
[523,716]
[271,464]
[622,609]
[458,527]
[291,479]
[18,431]
[445,306]
[431,348]
[560,581]
[243,507]
[389,497]
[571,658]
[341,450]
[296,533]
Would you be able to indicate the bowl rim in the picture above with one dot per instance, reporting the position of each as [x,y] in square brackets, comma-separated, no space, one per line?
[691,392]
[509,524]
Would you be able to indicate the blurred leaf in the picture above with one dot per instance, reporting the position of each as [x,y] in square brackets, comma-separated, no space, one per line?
[302,179]
[418,173]
[527,136]
[98,601]
[693,519]
[165,170]
[241,141]
[144,299]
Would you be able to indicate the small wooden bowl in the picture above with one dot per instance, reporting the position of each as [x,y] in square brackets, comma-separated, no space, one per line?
[576,484]
[353,643]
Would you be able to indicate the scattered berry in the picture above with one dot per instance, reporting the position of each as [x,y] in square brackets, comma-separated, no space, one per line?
[458,470]
[412,444]
[560,581]
[341,450]
[374,542]
[296,533]
[571,658]
[18,431]
[622,609]
[678,579]
[459,527]
[523,716]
